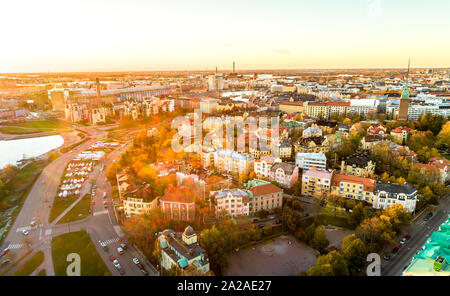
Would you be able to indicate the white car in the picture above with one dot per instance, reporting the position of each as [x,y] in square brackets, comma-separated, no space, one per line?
[403,241]
[25,232]
[120,250]
[136,261]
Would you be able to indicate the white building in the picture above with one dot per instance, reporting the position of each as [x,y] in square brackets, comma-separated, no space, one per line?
[264,164]
[386,195]
[307,160]
[234,202]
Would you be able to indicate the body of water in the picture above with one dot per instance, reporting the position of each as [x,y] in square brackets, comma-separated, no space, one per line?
[15,150]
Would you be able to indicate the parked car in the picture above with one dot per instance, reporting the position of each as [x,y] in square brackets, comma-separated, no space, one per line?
[25,232]
[121,270]
[104,247]
[32,223]
[112,258]
[395,250]
[123,246]
[408,236]
[136,261]
[428,216]
[403,241]
[6,261]
[271,217]
[387,257]
[116,263]
[120,250]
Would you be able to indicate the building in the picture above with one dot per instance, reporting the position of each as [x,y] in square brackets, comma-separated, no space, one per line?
[264,196]
[182,250]
[312,131]
[226,160]
[138,206]
[234,202]
[291,107]
[369,141]
[285,174]
[377,129]
[433,258]
[263,165]
[404,101]
[208,105]
[443,165]
[353,187]
[312,145]
[178,203]
[386,195]
[358,164]
[306,161]
[283,148]
[401,134]
[316,182]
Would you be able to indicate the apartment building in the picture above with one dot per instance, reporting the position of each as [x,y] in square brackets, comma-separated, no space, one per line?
[234,202]
[263,165]
[386,195]
[226,160]
[306,161]
[353,187]
[137,206]
[264,196]
[178,203]
[359,164]
[401,134]
[316,182]
[285,174]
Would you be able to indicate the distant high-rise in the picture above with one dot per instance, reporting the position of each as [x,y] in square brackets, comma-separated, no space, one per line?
[233,67]
[404,101]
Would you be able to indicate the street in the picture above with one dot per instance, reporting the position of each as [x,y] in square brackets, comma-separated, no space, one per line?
[100,224]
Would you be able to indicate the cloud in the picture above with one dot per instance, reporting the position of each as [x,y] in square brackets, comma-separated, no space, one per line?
[282,51]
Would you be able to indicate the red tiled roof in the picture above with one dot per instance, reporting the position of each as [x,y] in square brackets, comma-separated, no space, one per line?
[265,189]
[338,103]
[292,103]
[366,182]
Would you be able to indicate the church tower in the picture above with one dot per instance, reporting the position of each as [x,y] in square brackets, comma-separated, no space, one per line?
[402,114]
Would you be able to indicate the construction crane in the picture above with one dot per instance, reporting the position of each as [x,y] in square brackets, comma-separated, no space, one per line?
[251,87]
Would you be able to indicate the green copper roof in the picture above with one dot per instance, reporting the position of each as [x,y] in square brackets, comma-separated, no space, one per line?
[405,92]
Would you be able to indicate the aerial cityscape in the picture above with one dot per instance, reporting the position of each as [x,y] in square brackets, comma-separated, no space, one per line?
[225,139]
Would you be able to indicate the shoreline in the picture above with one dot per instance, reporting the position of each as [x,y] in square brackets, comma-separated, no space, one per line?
[10,137]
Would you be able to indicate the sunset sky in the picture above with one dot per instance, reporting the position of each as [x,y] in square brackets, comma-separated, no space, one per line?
[119,35]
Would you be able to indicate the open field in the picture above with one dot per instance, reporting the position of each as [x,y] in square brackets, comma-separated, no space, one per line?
[78,212]
[30,127]
[273,257]
[30,265]
[78,242]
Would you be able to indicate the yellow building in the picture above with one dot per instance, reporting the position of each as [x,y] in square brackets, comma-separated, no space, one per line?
[316,182]
[358,164]
[353,187]
[137,206]
[291,107]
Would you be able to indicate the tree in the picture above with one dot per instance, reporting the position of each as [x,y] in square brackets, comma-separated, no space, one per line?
[443,138]
[217,244]
[358,214]
[432,122]
[309,232]
[420,139]
[335,260]
[355,252]
[320,241]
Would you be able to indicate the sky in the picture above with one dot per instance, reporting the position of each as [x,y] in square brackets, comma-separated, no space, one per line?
[149,35]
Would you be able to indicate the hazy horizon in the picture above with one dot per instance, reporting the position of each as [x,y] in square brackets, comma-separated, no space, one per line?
[135,36]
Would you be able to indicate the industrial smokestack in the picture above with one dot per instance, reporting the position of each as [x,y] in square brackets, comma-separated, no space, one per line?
[233,67]
[97,85]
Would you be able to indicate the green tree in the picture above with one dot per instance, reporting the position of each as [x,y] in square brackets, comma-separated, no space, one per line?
[355,252]
[320,241]
[333,259]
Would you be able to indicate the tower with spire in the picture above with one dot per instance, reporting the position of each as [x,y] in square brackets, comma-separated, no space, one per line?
[402,114]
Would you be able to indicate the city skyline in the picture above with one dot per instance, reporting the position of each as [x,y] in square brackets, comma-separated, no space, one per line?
[111,36]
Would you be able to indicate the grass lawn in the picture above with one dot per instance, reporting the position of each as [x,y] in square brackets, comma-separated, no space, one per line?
[30,127]
[19,187]
[30,265]
[326,219]
[77,242]
[59,205]
[78,212]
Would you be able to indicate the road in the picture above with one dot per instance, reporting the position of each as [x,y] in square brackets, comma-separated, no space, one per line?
[420,231]
[100,224]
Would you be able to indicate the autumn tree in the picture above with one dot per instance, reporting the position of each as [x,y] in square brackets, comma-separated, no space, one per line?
[334,260]
[320,241]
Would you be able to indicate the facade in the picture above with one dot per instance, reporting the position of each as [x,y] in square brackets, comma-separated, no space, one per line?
[264,196]
[358,164]
[263,165]
[401,134]
[312,131]
[404,102]
[208,105]
[369,141]
[316,182]
[233,162]
[178,203]
[283,148]
[137,206]
[353,187]
[182,250]
[285,174]
[234,202]
[386,195]
[311,145]
[306,161]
